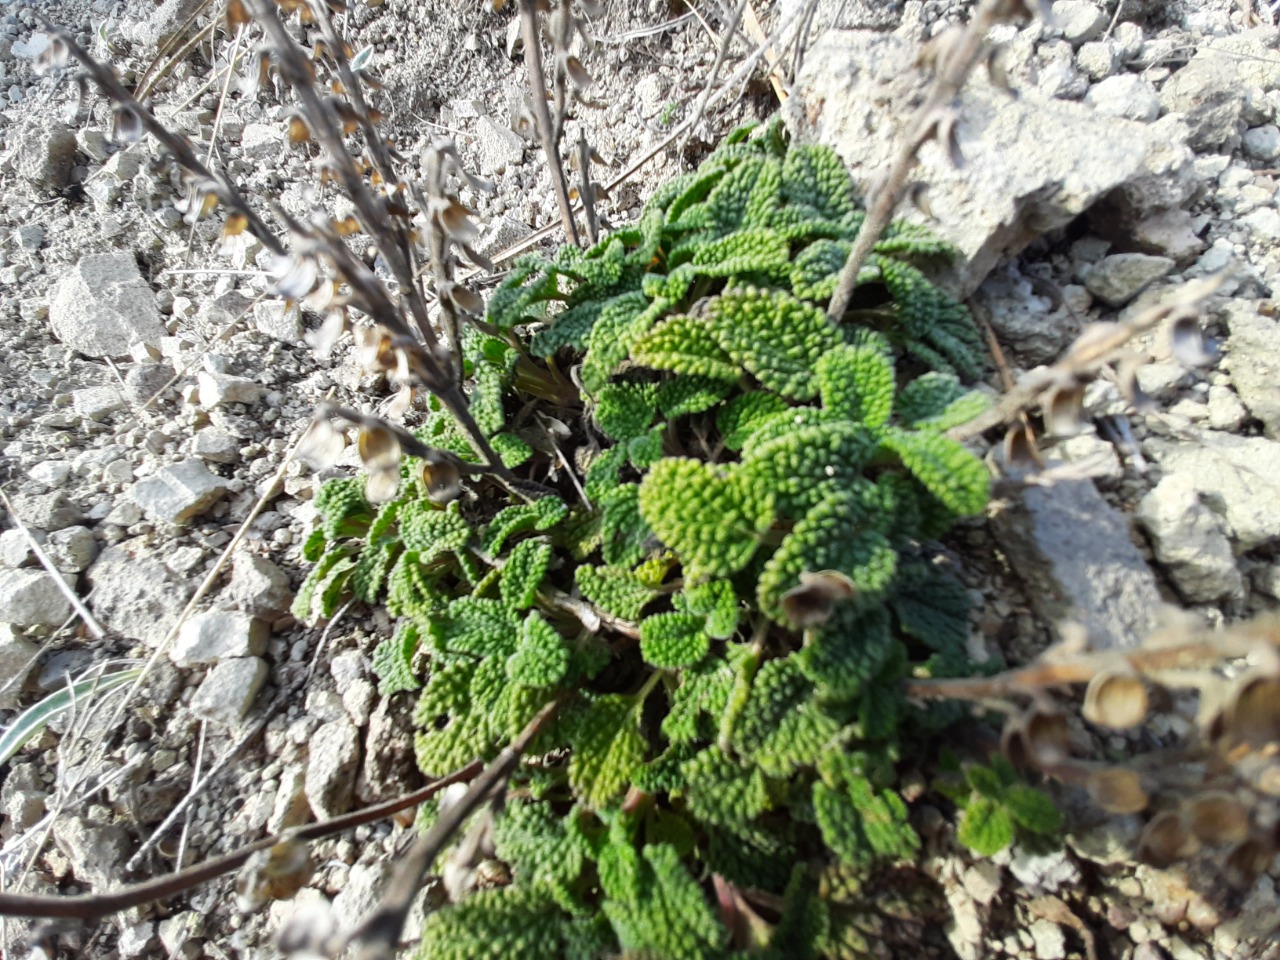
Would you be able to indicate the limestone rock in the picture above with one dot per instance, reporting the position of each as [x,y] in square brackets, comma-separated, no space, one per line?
[332,764]
[72,549]
[1073,551]
[31,598]
[1238,478]
[219,388]
[1262,143]
[259,586]
[1079,21]
[1031,166]
[227,692]
[279,320]
[1206,92]
[1126,95]
[97,403]
[1189,541]
[178,492]
[104,306]
[1117,279]
[1253,358]
[497,148]
[46,154]
[215,445]
[96,851]
[17,657]
[134,593]
[218,635]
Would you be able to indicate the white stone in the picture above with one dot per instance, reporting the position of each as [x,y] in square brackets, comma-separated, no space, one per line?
[218,635]
[1126,95]
[259,586]
[1079,21]
[219,388]
[1253,358]
[15,548]
[1050,942]
[178,492]
[1262,143]
[52,473]
[1226,412]
[1097,59]
[31,598]
[1206,93]
[215,445]
[279,320]
[103,306]
[228,690]
[17,657]
[72,549]
[1238,478]
[1263,222]
[261,140]
[1030,166]
[97,403]
[497,148]
[133,592]
[1189,541]
[332,763]
[1117,279]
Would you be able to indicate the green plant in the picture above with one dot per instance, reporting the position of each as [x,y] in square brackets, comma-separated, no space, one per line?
[668,114]
[999,807]
[728,601]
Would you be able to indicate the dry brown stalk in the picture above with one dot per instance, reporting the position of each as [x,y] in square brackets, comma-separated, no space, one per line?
[936,117]
[548,129]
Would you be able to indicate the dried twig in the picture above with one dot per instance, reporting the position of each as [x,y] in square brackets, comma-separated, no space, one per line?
[95,905]
[380,932]
[547,129]
[936,116]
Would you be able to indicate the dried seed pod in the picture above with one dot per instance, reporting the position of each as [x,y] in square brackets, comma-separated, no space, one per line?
[1164,840]
[1216,818]
[1020,454]
[1247,860]
[1117,790]
[1064,410]
[276,873]
[813,601]
[1187,341]
[1116,699]
[1047,737]
[380,453]
[441,478]
[321,445]
[1253,712]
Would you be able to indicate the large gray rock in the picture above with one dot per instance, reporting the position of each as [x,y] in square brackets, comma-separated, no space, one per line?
[1073,552]
[1126,95]
[258,586]
[1238,478]
[1079,21]
[332,764]
[178,492]
[134,593]
[165,22]
[1207,94]
[32,598]
[228,690]
[1117,279]
[104,306]
[46,154]
[17,657]
[1253,358]
[1030,165]
[218,635]
[1189,541]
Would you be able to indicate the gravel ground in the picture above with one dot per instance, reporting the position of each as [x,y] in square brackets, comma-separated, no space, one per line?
[151,388]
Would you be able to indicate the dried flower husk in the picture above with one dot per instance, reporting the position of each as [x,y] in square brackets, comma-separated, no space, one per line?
[276,873]
[1247,860]
[812,602]
[441,479]
[1116,699]
[1187,342]
[1164,840]
[1020,454]
[1117,790]
[321,445]
[1047,737]
[1253,711]
[1064,410]
[1216,818]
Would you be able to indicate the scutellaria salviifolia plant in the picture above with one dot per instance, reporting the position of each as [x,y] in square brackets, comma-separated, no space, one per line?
[724,582]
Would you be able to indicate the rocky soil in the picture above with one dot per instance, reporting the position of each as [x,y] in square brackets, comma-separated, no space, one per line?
[151,389]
